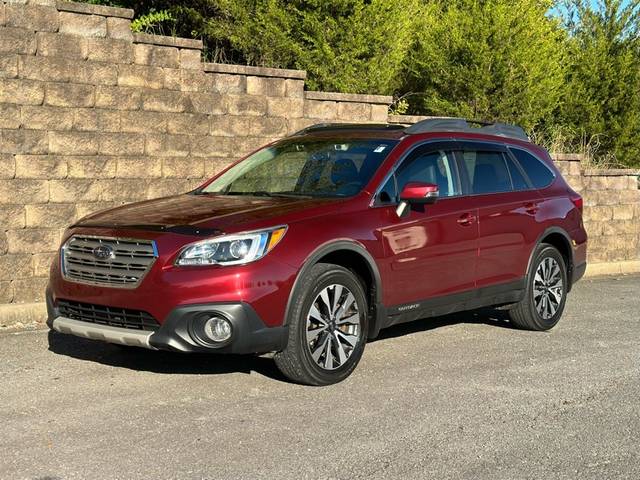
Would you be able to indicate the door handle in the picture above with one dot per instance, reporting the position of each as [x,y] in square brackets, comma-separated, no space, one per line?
[531,208]
[466,219]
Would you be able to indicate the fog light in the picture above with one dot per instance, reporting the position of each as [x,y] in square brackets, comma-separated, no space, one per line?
[218,329]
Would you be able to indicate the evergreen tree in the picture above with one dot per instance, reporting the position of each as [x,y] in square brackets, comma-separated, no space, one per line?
[493,59]
[602,102]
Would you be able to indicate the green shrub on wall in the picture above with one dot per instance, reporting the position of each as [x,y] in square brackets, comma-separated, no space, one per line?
[356,46]
[157,23]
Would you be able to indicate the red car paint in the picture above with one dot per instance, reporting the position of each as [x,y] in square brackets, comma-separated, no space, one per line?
[456,244]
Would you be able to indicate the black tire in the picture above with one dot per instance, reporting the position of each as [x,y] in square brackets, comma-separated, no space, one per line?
[296,361]
[526,314]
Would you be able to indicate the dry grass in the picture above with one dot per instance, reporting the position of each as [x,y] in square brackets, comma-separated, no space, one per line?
[589,148]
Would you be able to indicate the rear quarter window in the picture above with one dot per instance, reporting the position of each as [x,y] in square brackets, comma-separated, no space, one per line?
[538,172]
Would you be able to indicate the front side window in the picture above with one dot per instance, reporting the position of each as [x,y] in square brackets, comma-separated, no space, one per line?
[487,172]
[306,167]
[437,167]
[541,176]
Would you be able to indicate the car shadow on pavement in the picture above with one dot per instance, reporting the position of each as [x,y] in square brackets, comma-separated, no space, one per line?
[141,359]
[484,316]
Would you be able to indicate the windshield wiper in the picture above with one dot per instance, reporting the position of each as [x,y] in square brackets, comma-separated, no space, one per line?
[259,193]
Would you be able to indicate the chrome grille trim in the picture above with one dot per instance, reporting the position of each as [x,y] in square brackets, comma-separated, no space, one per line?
[125,268]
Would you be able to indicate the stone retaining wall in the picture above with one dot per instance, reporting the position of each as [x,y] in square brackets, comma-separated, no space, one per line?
[93,116]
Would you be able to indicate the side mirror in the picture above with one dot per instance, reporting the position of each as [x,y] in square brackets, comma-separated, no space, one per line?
[416,193]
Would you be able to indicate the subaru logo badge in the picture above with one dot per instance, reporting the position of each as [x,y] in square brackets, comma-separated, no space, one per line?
[102,252]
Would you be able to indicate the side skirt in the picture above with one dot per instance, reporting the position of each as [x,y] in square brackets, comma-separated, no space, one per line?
[504,293]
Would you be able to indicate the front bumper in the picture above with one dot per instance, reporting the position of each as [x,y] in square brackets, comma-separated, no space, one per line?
[179,331]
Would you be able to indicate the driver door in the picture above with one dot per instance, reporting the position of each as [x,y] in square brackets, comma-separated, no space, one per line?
[432,251]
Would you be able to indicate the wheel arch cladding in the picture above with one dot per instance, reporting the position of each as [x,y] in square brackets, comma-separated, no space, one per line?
[354,257]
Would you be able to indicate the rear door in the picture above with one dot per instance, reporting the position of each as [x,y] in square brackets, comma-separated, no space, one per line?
[432,251]
[507,207]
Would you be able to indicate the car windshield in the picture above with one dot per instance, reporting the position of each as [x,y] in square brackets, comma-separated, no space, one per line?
[305,167]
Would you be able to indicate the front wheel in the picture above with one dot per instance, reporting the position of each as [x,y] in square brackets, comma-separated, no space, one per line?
[328,326]
[546,291]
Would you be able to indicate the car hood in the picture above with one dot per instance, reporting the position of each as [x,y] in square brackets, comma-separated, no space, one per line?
[199,214]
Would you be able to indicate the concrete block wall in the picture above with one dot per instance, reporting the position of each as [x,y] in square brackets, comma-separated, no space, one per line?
[93,116]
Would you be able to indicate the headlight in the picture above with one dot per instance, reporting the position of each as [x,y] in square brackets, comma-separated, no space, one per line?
[232,249]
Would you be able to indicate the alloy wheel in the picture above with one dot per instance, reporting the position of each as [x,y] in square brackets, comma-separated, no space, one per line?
[333,327]
[548,288]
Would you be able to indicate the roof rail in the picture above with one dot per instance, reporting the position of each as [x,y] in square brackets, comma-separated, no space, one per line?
[449,124]
[347,126]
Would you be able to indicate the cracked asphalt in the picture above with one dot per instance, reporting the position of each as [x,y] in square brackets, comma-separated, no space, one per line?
[462,396]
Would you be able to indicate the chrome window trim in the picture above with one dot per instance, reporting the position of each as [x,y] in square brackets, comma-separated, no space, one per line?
[105,284]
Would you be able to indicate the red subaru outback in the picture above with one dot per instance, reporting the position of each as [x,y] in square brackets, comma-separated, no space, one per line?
[311,245]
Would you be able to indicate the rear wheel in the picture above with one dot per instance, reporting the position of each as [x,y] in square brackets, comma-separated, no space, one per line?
[327,327]
[545,296]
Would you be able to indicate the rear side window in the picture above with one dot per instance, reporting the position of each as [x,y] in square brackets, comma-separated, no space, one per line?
[539,174]
[487,172]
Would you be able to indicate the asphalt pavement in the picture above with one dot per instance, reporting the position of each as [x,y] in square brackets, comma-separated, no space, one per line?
[464,396]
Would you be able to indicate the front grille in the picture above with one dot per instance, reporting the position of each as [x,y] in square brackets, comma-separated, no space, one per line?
[112,316]
[115,262]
